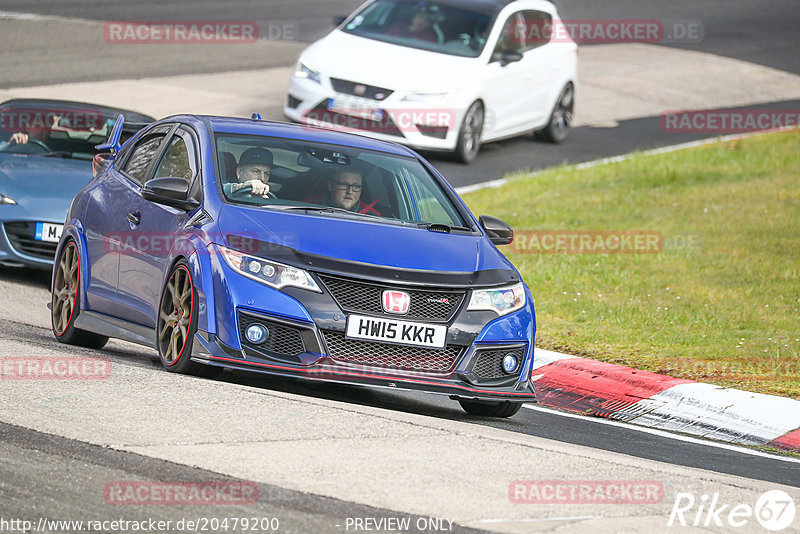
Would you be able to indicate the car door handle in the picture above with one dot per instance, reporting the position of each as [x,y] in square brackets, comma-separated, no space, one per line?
[135,218]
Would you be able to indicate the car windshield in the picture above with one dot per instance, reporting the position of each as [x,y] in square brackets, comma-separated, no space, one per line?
[331,180]
[63,129]
[443,27]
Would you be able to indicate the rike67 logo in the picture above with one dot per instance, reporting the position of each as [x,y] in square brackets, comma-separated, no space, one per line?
[774,510]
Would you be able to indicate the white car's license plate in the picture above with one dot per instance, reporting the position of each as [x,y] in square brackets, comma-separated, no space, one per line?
[394,331]
[48,232]
[355,108]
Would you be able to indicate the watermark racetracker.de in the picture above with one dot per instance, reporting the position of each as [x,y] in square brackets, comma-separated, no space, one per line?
[141,493]
[54,368]
[197,31]
[586,492]
[728,121]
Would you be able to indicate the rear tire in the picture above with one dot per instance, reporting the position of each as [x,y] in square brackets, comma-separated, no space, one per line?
[490,409]
[560,123]
[469,137]
[65,301]
[177,324]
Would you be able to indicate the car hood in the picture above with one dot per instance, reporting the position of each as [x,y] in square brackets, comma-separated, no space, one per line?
[43,188]
[352,242]
[387,65]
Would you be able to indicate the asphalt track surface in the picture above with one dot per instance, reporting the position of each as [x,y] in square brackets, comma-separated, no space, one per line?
[44,474]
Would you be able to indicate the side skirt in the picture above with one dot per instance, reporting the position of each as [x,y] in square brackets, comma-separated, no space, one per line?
[106,325]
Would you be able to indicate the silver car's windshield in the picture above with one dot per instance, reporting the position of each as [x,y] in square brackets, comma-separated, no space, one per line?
[445,27]
[331,180]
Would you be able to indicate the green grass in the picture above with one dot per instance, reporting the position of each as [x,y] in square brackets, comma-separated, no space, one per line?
[719,303]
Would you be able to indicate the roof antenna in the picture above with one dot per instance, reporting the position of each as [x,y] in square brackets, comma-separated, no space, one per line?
[255,117]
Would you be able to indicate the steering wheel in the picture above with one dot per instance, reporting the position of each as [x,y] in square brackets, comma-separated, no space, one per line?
[39,143]
[33,146]
[245,193]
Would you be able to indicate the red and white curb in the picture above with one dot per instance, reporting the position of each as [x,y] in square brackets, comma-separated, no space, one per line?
[589,387]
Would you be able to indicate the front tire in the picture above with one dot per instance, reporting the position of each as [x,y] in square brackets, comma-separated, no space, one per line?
[560,123]
[65,301]
[490,409]
[469,137]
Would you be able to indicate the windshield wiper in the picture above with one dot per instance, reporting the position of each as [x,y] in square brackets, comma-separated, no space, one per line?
[57,154]
[328,209]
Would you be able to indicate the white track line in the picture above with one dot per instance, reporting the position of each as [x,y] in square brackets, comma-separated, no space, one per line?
[663,434]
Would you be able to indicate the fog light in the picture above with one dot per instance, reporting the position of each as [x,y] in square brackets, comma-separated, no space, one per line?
[256,334]
[510,363]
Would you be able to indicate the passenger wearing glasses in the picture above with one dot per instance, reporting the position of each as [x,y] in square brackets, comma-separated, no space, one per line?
[344,192]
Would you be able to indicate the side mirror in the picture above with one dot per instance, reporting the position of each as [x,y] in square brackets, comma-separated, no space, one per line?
[112,144]
[338,19]
[170,191]
[509,56]
[498,231]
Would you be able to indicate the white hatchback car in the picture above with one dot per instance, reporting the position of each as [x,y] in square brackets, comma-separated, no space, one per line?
[441,74]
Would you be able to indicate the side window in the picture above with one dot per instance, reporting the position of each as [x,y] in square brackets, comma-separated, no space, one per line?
[141,157]
[538,27]
[512,37]
[179,159]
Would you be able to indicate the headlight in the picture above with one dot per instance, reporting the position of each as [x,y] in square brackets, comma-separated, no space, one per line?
[268,272]
[501,301]
[304,71]
[429,97]
[7,200]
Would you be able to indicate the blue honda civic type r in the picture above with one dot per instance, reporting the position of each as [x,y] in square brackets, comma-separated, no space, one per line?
[294,251]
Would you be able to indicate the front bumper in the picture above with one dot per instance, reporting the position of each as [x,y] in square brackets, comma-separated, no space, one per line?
[307,338]
[421,126]
[209,350]
[19,248]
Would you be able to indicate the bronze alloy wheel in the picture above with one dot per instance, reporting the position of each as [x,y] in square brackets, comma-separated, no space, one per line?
[65,289]
[175,316]
[65,301]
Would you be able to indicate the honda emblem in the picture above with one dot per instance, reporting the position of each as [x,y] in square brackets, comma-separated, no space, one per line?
[395,302]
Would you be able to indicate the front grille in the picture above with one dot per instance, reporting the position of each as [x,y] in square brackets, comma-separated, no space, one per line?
[398,357]
[321,115]
[489,364]
[367,91]
[283,340]
[364,297]
[22,238]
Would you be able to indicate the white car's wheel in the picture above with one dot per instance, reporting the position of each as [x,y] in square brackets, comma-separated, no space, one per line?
[469,137]
[560,123]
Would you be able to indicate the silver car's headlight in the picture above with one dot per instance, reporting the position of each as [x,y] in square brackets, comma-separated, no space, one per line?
[502,301]
[302,70]
[7,200]
[268,272]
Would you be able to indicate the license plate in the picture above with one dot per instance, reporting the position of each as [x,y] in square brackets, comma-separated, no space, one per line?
[355,108]
[393,331]
[48,232]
